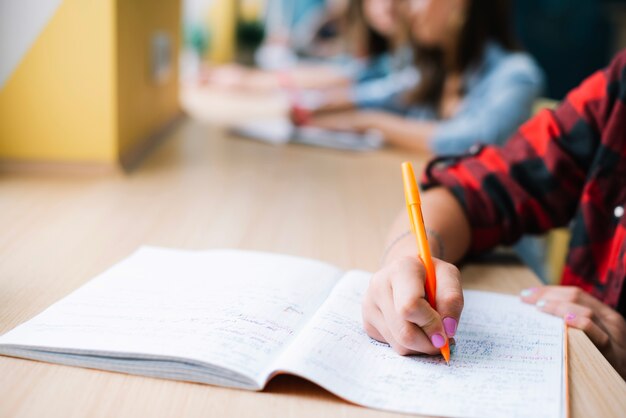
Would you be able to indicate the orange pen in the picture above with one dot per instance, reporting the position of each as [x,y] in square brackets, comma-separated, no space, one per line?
[413,206]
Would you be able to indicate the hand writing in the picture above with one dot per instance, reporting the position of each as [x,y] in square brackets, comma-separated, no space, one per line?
[395,309]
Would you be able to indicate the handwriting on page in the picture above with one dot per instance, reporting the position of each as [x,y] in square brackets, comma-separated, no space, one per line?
[507,360]
[233,309]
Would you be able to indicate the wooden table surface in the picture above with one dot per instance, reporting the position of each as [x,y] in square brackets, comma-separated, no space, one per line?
[203,189]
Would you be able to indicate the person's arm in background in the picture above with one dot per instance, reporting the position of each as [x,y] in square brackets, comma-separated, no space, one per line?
[532,184]
[238,77]
[511,92]
[396,130]
[373,87]
[366,106]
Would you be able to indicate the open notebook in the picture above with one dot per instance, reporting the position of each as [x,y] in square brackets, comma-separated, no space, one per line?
[281,131]
[236,318]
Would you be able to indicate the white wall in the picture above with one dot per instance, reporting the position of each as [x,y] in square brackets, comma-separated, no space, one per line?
[21,22]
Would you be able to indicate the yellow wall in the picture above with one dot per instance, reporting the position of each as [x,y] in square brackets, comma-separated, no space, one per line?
[221,20]
[143,104]
[84,91]
[59,102]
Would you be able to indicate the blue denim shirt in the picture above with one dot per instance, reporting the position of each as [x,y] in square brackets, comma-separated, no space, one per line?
[499,95]
[383,77]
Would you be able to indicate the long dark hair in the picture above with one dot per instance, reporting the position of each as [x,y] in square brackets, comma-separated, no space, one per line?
[372,43]
[486,20]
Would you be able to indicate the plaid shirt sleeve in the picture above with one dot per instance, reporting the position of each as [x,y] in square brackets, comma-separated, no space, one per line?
[537,180]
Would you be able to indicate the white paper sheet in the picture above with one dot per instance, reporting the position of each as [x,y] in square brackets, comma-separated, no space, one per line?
[234,309]
[507,361]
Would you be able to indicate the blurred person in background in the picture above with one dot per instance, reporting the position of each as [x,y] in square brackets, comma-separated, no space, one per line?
[300,37]
[373,49]
[379,63]
[473,84]
[297,29]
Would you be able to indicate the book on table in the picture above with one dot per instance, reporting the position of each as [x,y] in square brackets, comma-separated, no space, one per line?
[282,131]
[236,318]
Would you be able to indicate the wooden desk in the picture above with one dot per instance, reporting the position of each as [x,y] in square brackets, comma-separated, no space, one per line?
[202,189]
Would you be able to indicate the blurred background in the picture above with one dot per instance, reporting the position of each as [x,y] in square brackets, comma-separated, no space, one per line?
[97,85]
[583,33]
[95,82]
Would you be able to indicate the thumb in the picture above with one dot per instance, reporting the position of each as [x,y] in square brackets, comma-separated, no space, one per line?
[449,296]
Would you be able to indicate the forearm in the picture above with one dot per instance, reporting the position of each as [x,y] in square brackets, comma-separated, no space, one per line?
[447,228]
[318,77]
[402,132]
[397,130]
[335,100]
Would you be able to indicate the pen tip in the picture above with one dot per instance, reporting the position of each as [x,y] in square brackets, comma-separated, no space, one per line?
[445,353]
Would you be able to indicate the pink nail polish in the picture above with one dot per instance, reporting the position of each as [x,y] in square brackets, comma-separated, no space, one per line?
[438,340]
[570,317]
[450,324]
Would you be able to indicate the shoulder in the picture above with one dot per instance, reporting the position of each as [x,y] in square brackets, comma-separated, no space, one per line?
[512,66]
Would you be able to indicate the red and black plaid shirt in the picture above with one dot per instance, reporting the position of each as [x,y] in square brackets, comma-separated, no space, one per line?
[563,167]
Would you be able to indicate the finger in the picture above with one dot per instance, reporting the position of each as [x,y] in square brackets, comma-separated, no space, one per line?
[533,294]
[596,334]
[410,312]
[449,295]
[369,312]
[373,332]
[406,335]
[379,325]
[326,122]
[375,323]
[578,316]
[571,294]
[561,309]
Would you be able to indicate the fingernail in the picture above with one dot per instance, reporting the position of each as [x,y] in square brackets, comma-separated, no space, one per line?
[450,324]
[540,303]
[438,340]
[570,317]
[528,292]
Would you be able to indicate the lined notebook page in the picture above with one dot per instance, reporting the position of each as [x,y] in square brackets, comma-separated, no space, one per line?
[507,360]
[235,309]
